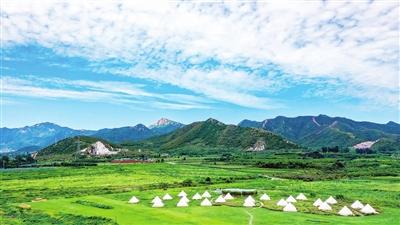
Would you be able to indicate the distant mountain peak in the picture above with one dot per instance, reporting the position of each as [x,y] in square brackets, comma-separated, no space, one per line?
[212,120]
[162,122]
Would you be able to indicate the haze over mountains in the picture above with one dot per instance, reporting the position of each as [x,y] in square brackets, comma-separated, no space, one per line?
[308,131]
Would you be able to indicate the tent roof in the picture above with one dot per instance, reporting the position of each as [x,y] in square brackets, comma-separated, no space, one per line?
[367,209]
[290,208]
[357,205]
[206,194]
[331,200]
[301,196]
[167,197]
[325,207]
[265,197]
[220,199]
[291,199]
[282,202]
[345,211]
[197,196]
[318,202]
[206,202]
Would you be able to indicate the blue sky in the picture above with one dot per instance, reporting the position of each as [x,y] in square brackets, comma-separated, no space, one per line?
[117,64]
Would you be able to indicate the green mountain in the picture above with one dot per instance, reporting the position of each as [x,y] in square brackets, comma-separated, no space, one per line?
[214,134]
[322,130]
[70,146]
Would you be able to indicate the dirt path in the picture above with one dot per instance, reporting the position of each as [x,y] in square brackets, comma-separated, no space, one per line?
[251,217]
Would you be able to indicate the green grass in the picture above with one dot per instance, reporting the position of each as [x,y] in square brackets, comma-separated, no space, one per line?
[111,186]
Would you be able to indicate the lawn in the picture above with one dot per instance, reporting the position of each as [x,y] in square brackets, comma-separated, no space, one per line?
[112,185]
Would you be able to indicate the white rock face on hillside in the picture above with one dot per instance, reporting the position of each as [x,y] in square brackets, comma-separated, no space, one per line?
[98,148]
[364,145]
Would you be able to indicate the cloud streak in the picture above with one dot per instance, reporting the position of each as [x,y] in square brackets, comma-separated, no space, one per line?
[233,52]
[99,91]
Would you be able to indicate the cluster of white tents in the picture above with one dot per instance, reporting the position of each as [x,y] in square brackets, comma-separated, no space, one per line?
[288,204]
[345,211]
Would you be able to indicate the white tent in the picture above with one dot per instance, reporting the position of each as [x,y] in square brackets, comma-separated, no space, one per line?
[265,197]
[182,203]
[290,208]
[167,197]
[249,203]
[228,196]
[282,202]
[197,196]
[184,198]
[301,196]
[318,202]
[220,199]
[325,207]
[206,195]
[206,202]
[345,211]
[331,200]
[291,199]
[357,205]
[249,198]
[182,193]
[157,203]
[133,200]
[156,199]
[367,209]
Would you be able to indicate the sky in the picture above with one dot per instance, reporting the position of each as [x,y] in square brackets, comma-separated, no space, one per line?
[92,64]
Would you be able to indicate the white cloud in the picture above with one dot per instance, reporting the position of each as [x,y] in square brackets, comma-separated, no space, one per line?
[99,91]
[352,45]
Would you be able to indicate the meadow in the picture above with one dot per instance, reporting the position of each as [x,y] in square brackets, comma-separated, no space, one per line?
[100,194]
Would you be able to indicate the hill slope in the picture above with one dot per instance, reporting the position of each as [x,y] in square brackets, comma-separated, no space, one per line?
[322,130]
[36,136]
[71,146]
[212,133]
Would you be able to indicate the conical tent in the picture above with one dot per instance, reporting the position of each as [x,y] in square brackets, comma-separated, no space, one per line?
[197,196]
[182,193]
[228,196]
[167,197]
[357,205]
[206,202]
[291,199]
[249,198]
[220,199]
[133,200]
[158,203]
[265,197]
[345,212]
[249,203]
[367,209]
[301,196]
[184,198]
[182,203]
[318,202]
[206,195]
[331,200]
[156,199]
[325,207]
[282,202]
[290,208]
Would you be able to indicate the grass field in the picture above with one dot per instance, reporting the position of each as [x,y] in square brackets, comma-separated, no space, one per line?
[112,185]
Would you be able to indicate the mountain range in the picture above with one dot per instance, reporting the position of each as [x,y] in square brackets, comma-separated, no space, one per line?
[308,131]
[321,131]
[201,138]
[212,133]
[33,138]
